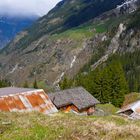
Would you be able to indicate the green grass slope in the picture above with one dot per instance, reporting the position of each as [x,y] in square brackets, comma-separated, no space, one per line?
[131,98]
[35,126]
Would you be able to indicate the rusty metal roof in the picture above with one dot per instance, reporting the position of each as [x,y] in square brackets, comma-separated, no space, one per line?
[13,90]
[23,99]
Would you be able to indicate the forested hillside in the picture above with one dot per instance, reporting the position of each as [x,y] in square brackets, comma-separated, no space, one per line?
[118,75]
[105,83]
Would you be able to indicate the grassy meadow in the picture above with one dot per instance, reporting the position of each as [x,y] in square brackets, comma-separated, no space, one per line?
[36,126]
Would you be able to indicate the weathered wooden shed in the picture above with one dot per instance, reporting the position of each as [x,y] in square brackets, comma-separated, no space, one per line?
[24,99]
[77,100]
[131,110]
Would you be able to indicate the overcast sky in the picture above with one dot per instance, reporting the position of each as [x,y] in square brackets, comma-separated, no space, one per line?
[26,7]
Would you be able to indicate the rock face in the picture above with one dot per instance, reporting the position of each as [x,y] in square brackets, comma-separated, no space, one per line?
[48,60]
[112,48]
[128,6]
[49,52]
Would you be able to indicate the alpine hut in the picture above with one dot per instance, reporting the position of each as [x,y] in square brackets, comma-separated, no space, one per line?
[76,100]
[24,99]
[131,111]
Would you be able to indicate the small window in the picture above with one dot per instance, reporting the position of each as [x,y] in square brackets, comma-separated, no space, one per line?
[128,112]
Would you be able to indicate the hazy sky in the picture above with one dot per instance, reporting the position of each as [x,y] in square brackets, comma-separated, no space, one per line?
[26,7]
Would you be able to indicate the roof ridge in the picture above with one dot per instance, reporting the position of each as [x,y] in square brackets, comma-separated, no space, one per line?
[78,96]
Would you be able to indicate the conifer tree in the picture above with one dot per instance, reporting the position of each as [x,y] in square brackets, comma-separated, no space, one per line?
[66,83]
[35,84]
[119,86]
[26,84]
[107,84]
[4,83]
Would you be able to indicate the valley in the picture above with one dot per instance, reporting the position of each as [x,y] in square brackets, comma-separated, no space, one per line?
[10,26]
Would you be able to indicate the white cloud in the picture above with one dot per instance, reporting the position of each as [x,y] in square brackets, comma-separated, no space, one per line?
[26,7]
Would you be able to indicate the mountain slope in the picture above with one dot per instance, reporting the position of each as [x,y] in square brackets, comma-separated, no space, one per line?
[38,53]
[67,14]
[122,52]
[10,26]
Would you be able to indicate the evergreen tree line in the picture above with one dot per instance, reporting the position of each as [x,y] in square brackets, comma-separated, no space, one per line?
[35,85]
[107,84]
[4,83]
[131,66]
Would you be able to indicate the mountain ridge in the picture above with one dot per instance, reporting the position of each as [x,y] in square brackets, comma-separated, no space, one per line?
[10,26]
[64,53]
[63,16]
